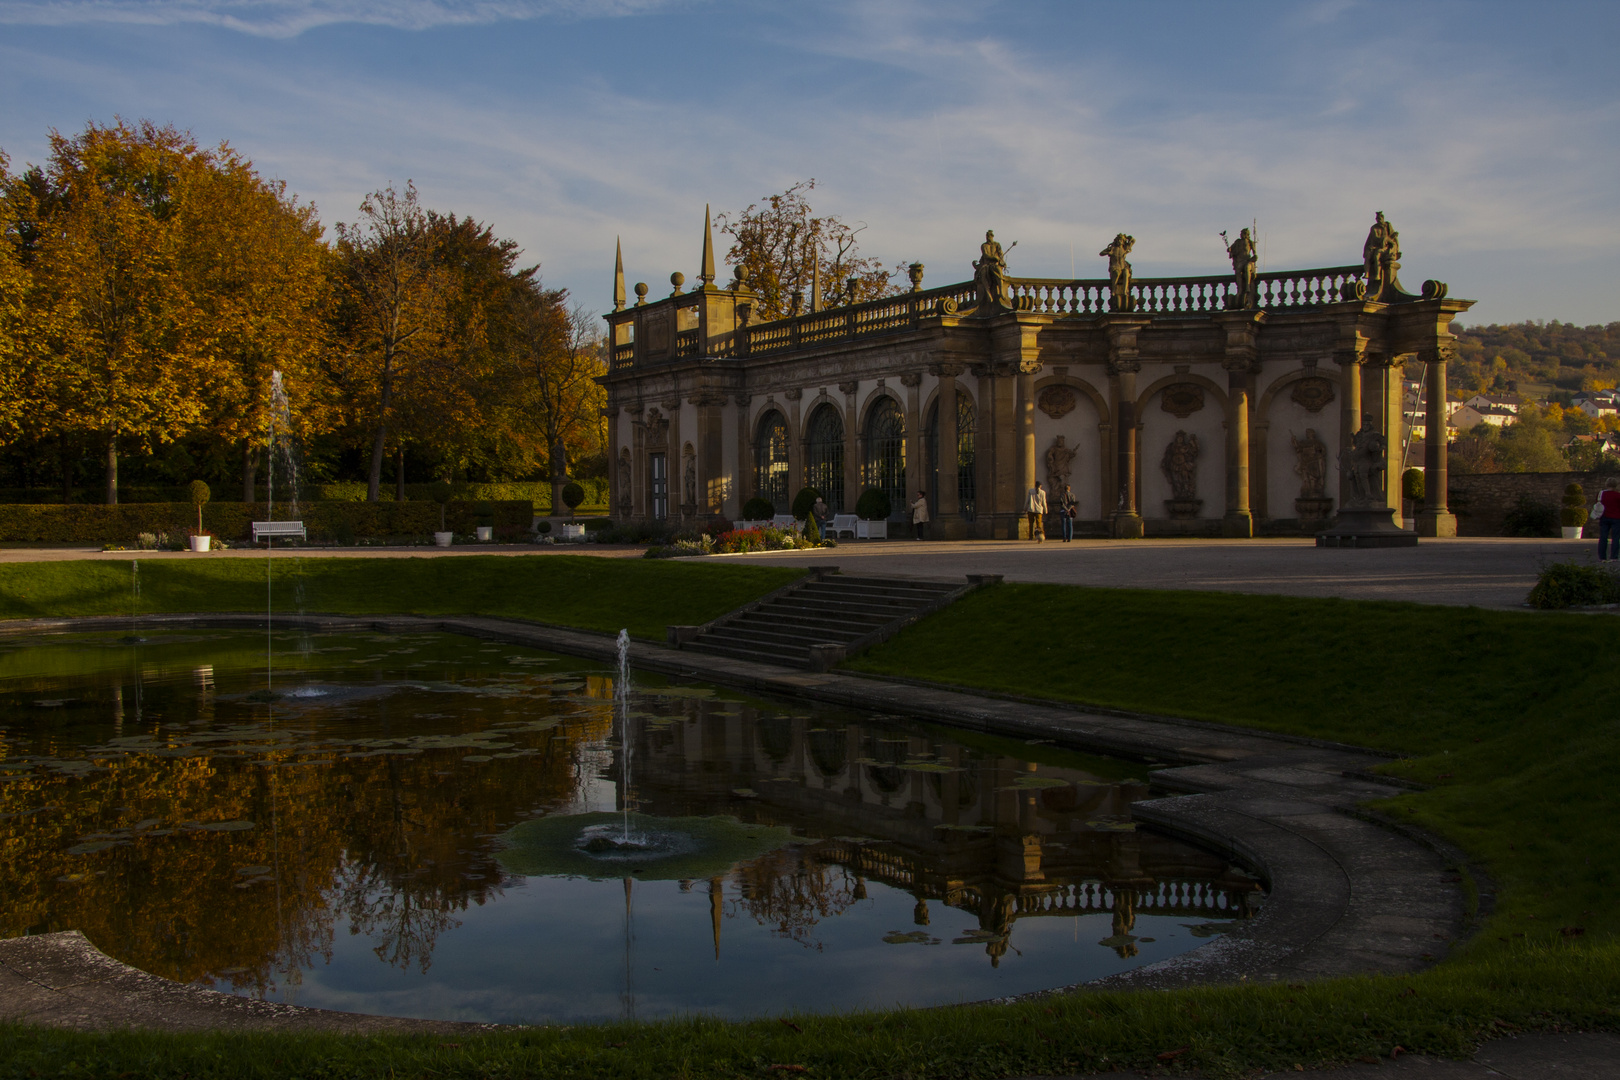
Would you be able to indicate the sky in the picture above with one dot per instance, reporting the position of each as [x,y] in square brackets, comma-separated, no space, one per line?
[1488,133]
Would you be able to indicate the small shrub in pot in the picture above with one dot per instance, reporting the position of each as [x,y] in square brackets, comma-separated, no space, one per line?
[873,505]
[758,509]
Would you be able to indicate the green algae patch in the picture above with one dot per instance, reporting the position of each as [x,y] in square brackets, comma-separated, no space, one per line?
[676,848]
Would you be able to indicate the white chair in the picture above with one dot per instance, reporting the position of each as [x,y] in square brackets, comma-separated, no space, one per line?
[842,524]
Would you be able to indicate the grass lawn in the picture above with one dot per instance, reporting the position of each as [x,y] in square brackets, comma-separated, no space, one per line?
[1506,714]
[568,590]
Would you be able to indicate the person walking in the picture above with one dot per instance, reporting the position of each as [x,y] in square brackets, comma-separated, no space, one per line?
[919,513]
[1067,507]
[820,511]
[1035,507]
[1609,523]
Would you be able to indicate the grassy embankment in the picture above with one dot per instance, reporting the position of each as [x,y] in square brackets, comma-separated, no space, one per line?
[1504,713]
[566,590]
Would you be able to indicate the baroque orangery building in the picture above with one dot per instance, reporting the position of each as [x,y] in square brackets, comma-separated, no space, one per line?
[1220,405]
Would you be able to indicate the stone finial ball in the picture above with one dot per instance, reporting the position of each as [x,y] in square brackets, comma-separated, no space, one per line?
[641,288]
[742,275]
[677,279]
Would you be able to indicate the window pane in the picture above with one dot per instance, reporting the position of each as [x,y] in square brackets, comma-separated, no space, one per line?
[824,456]
[885,466]
[771,461]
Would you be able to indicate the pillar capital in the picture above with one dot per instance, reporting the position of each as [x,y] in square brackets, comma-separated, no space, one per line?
[946,371]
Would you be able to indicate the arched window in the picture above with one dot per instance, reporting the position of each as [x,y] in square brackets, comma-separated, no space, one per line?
[886,452]
[940,470]
[824,456]
[771,461]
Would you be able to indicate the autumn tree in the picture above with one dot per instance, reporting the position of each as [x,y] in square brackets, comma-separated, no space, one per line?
[123,351]
[782,245]
[554,361]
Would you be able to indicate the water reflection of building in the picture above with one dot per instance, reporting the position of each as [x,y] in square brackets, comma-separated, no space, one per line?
[980,830]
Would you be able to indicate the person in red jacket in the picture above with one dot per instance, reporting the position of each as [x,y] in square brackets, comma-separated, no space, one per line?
[1609,523]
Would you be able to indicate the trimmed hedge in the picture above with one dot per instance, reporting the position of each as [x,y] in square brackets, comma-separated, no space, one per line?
[536,492]
[339,522]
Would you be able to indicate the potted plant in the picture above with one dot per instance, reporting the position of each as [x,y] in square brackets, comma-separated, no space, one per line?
[872,508]
[200,541]
[1572,515]
[572,496]
[441,493]
[1412,490]
[758,509]
[486,522]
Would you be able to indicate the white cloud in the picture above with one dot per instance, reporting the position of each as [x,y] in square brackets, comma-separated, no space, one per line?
[289,18]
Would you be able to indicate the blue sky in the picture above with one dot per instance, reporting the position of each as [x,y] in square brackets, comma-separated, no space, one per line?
[1487,132]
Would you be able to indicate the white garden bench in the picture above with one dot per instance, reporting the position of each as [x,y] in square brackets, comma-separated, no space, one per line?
[739,526]
[787,522]
[573,532]
[843,523]
[269,530]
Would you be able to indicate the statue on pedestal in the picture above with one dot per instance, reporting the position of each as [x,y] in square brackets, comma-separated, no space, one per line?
[1059,462]
[1119,273]
[1311,465]
[1244,262]
[990,275]
[1365,467]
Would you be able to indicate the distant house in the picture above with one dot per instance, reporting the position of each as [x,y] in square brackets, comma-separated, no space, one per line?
[1599,405]
[1607,441]
[1505,403]
[1470,416]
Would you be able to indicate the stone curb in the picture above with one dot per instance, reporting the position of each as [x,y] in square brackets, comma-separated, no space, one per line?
[1348,896]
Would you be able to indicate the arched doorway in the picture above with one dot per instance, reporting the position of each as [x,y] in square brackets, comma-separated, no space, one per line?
[771,461]
[824,456]
[885,465]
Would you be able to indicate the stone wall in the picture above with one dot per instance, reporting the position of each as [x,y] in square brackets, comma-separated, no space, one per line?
[1482,500]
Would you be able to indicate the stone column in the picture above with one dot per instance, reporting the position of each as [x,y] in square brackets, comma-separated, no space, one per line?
[852,446]
[611,412]
[915,481]
[949,506]
[745,462]
[1026,431]
[1436,518]
[1006,460]
[1127,519]
[794,414]
[1239,522]
[1351,361]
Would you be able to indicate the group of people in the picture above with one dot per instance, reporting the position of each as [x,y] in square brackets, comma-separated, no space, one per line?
[1037,507]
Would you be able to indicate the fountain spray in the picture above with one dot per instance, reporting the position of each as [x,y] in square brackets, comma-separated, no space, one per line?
[621,704]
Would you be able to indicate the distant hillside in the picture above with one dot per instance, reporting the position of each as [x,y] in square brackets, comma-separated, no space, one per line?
[1550,359]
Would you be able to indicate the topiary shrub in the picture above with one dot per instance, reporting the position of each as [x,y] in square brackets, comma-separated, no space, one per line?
[572,496]
[758,509]
[812,531]
[1413,485]
[1574,510]
[486,514]
[1530,518]
[199,498]
[873,505]
[804,502]
[1567,584]
[441,493]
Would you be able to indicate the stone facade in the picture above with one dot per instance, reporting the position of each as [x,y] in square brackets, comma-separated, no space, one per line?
[704,403]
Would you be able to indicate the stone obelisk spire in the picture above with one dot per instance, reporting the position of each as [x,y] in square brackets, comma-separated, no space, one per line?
[815,281]
[618,274]
[707,275]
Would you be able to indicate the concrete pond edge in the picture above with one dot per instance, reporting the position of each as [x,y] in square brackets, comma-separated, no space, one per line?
[1350,892]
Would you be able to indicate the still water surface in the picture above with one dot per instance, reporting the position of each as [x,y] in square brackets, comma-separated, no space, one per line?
[375,838]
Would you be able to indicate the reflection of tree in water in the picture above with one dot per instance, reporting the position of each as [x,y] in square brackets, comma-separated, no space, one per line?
[790,891]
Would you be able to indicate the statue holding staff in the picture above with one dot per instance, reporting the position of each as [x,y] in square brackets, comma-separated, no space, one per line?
[1241,251]
[1119,272]
[990,272]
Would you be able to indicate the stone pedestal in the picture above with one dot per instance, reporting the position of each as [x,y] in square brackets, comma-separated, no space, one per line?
[1436,523]
[1238,525]
[1127,525]
[1183,509]
[1313,510]
[1366,527]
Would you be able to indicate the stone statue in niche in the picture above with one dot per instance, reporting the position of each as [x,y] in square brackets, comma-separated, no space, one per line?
[1119,272]
[657,428]
[1182,399]
[1313,393]
[1243,258]
[1059,463]
[1365,466]
[1180,465]
[1056,401]
[1310,464]
[990,275]
[689,480]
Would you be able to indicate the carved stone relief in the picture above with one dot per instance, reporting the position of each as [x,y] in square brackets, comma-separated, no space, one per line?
[1056,401]
[1182,399]
[1311,464]
[657,428]
[626,505]
[911,378]
[1313,393]
[656,327]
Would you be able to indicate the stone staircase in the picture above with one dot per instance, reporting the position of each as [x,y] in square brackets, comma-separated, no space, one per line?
[820,620]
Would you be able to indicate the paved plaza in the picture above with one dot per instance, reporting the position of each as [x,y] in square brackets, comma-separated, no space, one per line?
[1492,572]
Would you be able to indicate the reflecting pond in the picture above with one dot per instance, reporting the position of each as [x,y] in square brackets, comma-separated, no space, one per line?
[399,830]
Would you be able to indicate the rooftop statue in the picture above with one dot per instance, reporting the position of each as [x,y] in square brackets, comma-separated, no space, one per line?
[1242,254]
[990,275]
[1119,273]
[1381,257]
